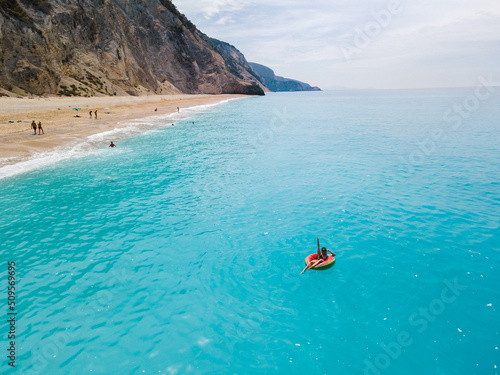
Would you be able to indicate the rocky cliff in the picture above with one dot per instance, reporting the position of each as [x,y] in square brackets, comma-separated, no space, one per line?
[276,83]
[113,47]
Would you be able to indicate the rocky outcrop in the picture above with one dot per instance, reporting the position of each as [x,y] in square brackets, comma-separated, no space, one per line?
[113,47]
[236,62]
[275,83]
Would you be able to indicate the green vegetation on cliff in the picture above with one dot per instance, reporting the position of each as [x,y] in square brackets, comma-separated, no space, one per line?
[103,47]
[13,8]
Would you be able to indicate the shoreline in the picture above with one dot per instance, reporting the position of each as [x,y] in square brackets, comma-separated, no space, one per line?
[64,130]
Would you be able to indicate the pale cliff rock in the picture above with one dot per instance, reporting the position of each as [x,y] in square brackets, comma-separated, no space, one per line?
[112,47]
[276,83]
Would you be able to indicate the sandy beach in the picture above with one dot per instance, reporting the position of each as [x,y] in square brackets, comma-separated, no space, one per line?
[66,127]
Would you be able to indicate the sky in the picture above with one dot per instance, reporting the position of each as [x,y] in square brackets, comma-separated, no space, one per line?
[360,43]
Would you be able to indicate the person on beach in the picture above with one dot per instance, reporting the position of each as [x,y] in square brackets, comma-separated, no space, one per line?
[90,114]
[156,109]
[95,113]
[40,129]
[178,110]
[33,125]
[112,144]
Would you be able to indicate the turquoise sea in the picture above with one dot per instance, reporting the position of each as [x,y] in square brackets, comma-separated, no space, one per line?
[180,251]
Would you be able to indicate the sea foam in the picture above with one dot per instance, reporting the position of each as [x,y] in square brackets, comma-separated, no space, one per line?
[95,143]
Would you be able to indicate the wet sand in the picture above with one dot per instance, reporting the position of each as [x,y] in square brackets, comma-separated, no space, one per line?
[62,126]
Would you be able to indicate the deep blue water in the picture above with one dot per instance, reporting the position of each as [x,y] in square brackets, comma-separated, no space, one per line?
[180,251]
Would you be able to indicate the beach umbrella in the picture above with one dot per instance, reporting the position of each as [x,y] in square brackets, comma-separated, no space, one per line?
[76,108]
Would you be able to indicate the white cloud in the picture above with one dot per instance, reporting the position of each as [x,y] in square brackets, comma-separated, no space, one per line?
[428,43]
[224,20]
[210,8]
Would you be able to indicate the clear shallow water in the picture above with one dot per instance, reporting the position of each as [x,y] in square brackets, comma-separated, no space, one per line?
[180,250]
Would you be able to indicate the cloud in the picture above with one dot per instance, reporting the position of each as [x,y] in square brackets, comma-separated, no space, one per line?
[210,8]
[433,43]
[224,20]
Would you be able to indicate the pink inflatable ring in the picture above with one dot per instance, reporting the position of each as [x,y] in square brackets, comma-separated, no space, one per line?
[329,262]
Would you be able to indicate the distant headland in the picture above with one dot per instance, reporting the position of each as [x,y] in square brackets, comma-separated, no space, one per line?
[277,83]
[117,47]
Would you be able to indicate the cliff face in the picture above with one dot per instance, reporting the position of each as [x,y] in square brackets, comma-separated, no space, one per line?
[103,47]
[236,62]
[276,83]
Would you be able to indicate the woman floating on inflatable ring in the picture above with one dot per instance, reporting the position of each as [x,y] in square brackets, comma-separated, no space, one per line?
[321,257]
